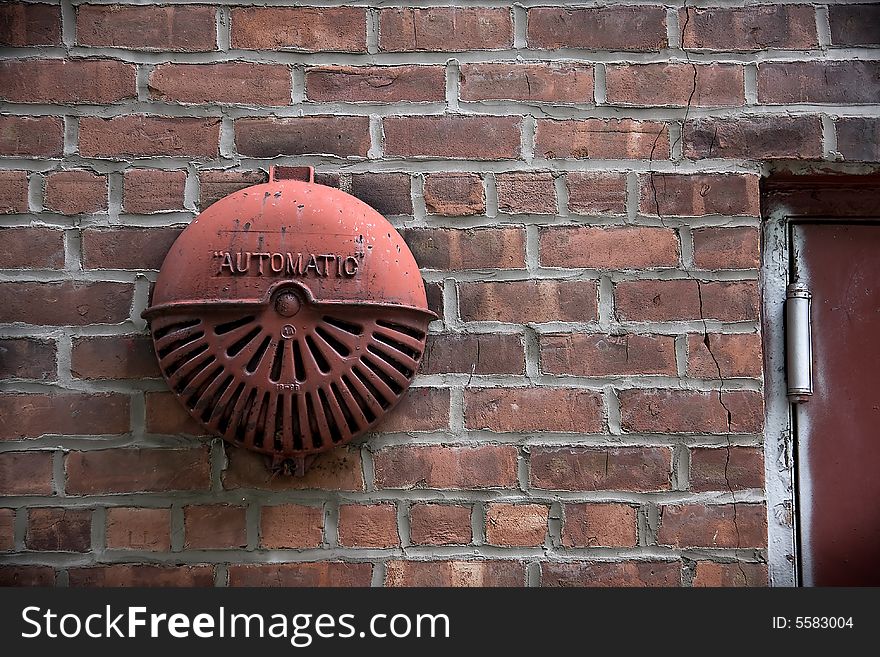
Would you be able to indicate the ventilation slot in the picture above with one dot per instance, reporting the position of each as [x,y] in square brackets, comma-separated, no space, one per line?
[371,388]
[359,400]
[210,404]
[278,361]
[163,331]
[402,328]
[322,363]
[343,407]
[244,414]
[341,324]
[236,347]
[332,342]
[226,327]
[330,413]
[313,422]
[299,369]
[260,427]
[395,387]
[388,358]
[229,408]
[179,341]
[279,424]
[254,362]
[399,346]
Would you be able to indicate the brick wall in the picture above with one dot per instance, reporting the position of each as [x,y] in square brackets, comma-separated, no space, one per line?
[581,188]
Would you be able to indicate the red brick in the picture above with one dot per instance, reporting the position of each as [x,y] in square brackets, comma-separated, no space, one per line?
[166,415]
[31,136]
[150,190]
[732,355]
[76,192]
[858,138]
[214,526]
[70,303]
[723,469]
[470,353]
[726,248]
[855,25]
[487,466]
[454,573]
[30,24]
[841,82]
[31,248]
[525,302]
[579,354]
[440,524]
[129,470]
[534,409]
[445,29]
[138,529]
[599,525]
[13,193]
[114,357]
[624,468]
[609,248]
[454,137]
[323,574]
[27,576]
[454,194]
[520,525]
[26,473]
[604,139]
[376,84]
[600,573]
[291,526]
[715,526]
[526,193]
[675,84]
[66,81]
[304,135]
[474,248]
[368,525]
[434,293]
[243,83]
[700,194]
[548,82]
[790,27]
[338,469]
[214,185]
[311,29]
[422,409]
[142,135]
[601,28]
[142,575]
[730,574]
[30,415]
[172,27]
[27,358]
[387,193]
[754,137]
[59,530]
[659,301]
[592,193]
[7,529]
[127,248]
[691,411]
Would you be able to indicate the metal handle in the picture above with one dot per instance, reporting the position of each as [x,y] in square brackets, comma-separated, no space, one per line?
[798,344]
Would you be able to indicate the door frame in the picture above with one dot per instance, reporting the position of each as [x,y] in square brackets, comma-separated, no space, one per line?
[787,199]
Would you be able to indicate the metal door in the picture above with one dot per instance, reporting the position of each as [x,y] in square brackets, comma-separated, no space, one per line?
[838,429]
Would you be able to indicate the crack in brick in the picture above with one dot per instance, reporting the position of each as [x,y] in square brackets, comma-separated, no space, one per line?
[689,274]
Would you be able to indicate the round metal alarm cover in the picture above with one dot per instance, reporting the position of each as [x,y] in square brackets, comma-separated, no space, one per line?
[289,318]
